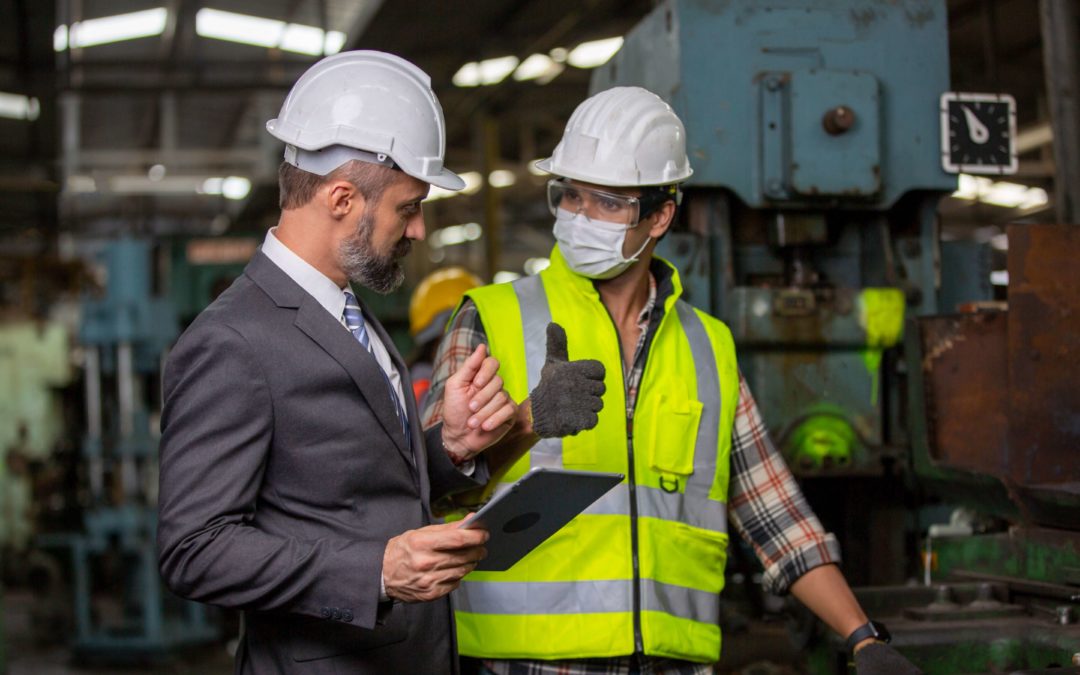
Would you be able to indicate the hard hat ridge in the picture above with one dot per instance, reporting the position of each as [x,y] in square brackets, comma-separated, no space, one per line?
[623,136]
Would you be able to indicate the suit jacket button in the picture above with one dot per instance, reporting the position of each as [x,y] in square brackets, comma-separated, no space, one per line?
[346,615]
[325,611]
[336,613]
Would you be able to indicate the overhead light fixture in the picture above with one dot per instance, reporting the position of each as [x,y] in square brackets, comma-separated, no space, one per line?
[536,265]
[500,178]
[531,165]
[539,67]
[19,107]
[270,33]
[504,276]
[229,187]
[1000,193]
[108,29]
[486,72]
[452,235]
[594,53]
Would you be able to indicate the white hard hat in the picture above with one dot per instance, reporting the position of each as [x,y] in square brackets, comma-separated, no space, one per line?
[365,105]
[625,137]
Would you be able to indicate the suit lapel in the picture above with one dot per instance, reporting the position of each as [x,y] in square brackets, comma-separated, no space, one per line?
[361,366]
[332,337]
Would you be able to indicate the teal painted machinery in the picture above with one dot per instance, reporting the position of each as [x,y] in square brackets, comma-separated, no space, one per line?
[810,227]
[122,613]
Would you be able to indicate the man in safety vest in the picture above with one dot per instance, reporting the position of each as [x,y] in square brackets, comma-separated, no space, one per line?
[643,384]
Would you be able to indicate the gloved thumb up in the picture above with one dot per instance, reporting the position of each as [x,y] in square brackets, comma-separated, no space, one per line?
[567,399]
[879,658]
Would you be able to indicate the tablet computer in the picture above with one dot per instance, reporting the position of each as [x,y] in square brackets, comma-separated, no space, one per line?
[537,506]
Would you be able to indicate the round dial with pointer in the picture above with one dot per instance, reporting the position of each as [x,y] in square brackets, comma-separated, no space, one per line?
[979,133]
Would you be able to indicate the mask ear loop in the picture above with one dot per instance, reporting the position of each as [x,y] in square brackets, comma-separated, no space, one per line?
[634,258]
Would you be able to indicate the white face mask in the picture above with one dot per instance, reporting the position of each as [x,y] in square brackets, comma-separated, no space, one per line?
[593,248]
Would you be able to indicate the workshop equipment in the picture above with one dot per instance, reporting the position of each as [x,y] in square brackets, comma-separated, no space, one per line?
[122,613]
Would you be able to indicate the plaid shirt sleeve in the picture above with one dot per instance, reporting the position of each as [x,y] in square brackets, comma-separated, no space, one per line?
[462,336]
[766,506]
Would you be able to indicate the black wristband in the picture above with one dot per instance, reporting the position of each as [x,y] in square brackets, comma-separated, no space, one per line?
[870,629]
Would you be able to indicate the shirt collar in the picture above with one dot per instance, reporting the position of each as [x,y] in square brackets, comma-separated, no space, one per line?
[646,311]
[315,283]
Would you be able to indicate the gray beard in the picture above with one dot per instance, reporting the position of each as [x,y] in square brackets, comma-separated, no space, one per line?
[364,266]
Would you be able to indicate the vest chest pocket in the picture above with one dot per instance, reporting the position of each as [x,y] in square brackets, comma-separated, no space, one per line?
[670,433]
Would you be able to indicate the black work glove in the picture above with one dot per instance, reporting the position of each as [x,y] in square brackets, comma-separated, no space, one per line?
[568,397]
[878,658]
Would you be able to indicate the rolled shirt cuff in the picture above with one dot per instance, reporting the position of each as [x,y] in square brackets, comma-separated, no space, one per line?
[780,575]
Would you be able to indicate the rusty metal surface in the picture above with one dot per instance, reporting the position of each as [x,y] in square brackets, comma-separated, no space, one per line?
[966,390]
[1044,358]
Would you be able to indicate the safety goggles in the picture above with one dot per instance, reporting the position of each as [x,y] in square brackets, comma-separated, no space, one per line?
[608,207]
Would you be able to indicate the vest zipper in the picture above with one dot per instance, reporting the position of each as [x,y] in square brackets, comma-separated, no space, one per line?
[639,643]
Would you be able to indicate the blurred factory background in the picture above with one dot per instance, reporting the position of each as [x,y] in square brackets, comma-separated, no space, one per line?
[884,210]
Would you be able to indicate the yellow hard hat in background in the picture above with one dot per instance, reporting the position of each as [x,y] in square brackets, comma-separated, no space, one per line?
[435,298]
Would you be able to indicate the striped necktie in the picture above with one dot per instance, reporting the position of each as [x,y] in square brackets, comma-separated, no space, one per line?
[354,321]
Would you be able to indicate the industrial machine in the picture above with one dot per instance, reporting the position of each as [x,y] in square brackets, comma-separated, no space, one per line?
[810,227]
[122,613]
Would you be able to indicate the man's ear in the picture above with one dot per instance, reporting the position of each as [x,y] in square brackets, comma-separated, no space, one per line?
[661,219]
[342,199]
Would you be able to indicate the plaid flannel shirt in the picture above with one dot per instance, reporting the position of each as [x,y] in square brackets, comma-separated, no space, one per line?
[765,505]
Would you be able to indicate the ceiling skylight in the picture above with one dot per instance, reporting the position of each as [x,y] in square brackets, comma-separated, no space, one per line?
[271,33]
[108,29]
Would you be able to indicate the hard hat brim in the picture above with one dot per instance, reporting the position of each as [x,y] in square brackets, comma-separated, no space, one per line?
[447,180]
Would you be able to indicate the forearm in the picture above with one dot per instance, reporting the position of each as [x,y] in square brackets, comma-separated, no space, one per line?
[826,593]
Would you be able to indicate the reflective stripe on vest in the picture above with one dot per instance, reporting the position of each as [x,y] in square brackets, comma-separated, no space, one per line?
[530,293]
[708,389]
[585,597]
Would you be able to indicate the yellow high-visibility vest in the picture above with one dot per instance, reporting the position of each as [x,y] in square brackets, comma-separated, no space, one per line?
[642,569]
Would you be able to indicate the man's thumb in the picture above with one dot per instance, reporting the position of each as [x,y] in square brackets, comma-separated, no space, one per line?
[556,343]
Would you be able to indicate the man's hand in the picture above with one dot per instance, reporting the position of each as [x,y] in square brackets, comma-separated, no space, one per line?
[426,564]
[878,658]
[477,411]
[567,399]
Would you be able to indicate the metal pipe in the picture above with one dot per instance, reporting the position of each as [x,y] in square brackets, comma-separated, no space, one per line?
[125,394]
[92,366]
[125,389]
[92,384]
[1061,58]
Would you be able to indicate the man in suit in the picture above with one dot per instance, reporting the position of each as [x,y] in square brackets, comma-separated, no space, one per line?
[295,477]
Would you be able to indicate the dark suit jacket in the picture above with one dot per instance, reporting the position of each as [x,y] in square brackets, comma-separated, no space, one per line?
[284,472]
